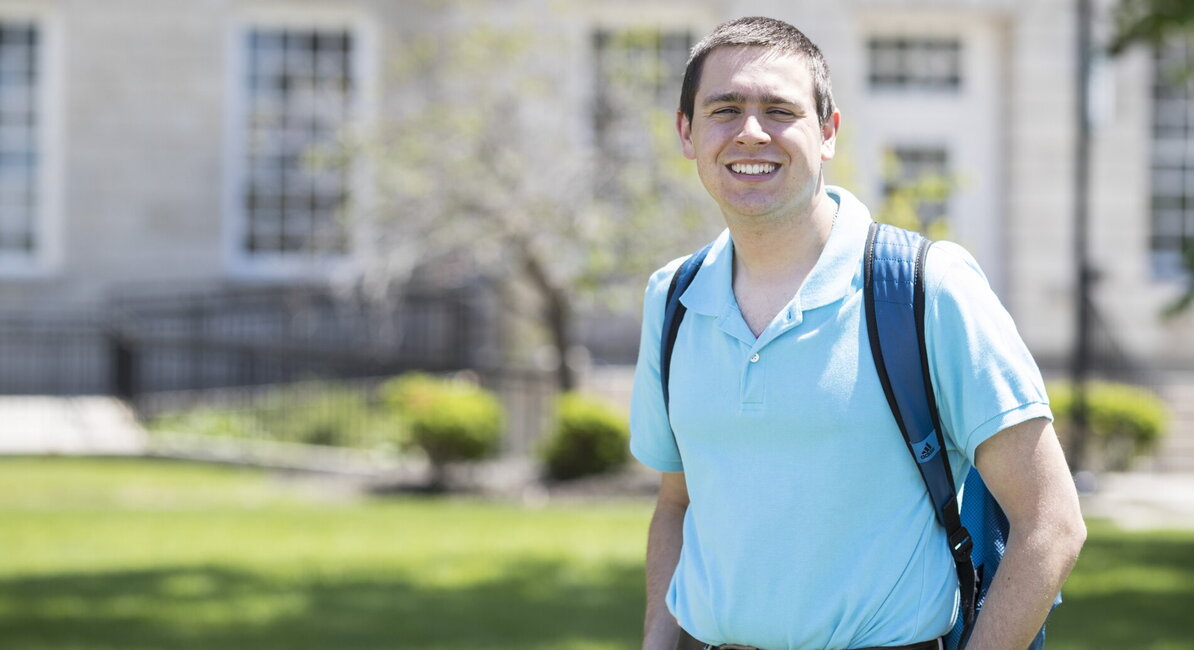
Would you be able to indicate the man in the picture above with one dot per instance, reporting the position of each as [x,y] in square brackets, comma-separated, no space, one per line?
[789,513]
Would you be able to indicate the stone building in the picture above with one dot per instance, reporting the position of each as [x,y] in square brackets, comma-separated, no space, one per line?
[160,142]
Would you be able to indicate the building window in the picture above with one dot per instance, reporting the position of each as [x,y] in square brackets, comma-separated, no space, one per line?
[20,162]
[915,63]
[916,188]
[638,74]
[301,91]
[1173,156]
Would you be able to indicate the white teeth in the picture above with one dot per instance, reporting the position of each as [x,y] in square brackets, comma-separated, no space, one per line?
[753,169]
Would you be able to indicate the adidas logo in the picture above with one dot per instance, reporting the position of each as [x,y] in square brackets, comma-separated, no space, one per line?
[927,451]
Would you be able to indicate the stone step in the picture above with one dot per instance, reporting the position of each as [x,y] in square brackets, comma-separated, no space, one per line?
[1175,454]
[1171,465]
[1175,445]
[1170,445]
[1176,439]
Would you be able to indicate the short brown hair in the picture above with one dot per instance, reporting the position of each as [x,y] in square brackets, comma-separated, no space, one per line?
[760,32]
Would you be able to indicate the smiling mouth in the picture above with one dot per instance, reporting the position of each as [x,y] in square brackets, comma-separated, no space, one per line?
[753,169]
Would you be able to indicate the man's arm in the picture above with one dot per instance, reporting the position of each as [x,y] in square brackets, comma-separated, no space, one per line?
[660,631]
[1025,470]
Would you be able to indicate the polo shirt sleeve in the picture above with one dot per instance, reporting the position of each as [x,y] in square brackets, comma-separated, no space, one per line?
[984,377]
[651,439]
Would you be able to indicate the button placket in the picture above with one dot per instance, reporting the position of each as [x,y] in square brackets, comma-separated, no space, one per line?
[752,382]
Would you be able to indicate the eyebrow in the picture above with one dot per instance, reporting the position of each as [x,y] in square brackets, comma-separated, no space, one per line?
[739,98]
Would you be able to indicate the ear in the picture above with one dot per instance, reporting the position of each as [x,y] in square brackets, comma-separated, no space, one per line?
[829,135]
[684,128]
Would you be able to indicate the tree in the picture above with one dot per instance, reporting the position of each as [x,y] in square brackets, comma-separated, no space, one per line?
[1149,21]
[487,155]
[1154,22]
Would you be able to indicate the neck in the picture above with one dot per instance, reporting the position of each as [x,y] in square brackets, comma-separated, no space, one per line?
[782,250]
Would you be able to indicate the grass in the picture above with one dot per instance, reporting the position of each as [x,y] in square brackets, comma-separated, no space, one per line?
[140,554]
[1129,590]
[148,554]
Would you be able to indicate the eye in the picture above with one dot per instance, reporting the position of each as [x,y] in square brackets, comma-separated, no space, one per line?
[781,112]
[728,110]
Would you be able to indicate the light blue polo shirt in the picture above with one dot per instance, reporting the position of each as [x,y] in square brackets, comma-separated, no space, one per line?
[809,526]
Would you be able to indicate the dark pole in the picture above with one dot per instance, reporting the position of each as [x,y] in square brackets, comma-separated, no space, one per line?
[123,362]
[1080,368]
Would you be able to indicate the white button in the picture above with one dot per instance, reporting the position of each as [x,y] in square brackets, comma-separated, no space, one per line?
[755,358]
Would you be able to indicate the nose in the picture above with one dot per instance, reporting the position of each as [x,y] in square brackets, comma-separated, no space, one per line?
[752,132]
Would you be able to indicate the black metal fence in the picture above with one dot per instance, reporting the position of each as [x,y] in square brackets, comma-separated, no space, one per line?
[343,413]
[241,337]
[55,356]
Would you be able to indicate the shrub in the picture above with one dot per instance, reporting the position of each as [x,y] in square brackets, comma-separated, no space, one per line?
[204,421]
[451,421]
[1125,421]
[410,391]
[314,413]
[317,414]
[589,437]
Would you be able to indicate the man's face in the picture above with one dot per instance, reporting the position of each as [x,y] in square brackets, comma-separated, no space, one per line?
[755,136]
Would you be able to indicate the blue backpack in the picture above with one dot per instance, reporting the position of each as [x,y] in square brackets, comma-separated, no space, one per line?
[894,297]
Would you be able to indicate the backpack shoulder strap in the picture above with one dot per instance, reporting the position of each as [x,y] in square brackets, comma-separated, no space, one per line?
[673,313]
[894,297]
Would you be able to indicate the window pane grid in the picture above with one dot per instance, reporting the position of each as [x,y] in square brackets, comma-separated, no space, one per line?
[1172,177]
[915,63]
[19,160]
[927,167]
[300,89]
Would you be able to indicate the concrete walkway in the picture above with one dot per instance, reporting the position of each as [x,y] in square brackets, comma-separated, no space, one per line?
[1143,500]
[88,425]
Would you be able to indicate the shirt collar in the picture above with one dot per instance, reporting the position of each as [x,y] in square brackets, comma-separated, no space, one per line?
[833,277]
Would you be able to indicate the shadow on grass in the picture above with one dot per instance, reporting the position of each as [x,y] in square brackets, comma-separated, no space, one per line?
[529,605]
[1128,591]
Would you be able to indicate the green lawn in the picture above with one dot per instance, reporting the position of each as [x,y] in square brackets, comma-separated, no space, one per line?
[142,554]
[1129,590]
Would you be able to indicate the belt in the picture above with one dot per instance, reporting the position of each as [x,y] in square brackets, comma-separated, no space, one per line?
[935,644]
